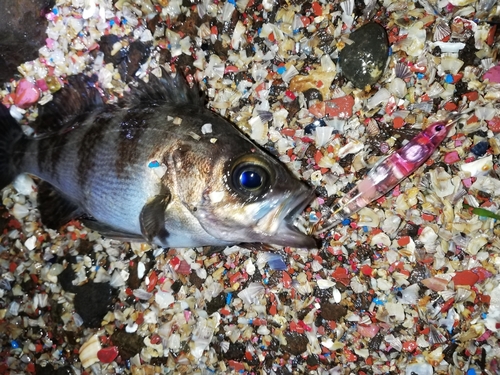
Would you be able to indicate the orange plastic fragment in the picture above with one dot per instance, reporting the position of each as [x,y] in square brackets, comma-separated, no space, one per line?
[398,123]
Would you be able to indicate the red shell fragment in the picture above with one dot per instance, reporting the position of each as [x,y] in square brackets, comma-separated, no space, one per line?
[287,280]
[107,355]
[465,278]
[410,346]
[341,275]
[494,124]
[336,107]
[451,157]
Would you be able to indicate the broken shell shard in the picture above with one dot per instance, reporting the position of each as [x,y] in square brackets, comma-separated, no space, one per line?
[88,351]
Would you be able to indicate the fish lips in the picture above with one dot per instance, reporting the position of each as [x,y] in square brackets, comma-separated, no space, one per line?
[288,234]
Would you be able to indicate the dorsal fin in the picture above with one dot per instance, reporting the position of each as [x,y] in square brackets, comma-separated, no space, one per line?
[70,105]
[167,89]
[79,97]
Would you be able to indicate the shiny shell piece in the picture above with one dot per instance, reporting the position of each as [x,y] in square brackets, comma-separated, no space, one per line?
[402,71]
[363,62]
[89,350]
[441,30]
[480,167]
[397,87]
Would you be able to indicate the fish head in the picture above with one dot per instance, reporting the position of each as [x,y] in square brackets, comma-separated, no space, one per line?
[251,197]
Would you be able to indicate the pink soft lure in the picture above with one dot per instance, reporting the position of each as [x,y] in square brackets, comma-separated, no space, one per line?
[390,171]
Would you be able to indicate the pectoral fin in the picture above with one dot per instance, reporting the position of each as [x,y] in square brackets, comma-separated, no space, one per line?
[111,232]
[55,208]
[152,218]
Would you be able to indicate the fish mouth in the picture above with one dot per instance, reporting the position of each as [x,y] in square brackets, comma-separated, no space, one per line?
[283,218]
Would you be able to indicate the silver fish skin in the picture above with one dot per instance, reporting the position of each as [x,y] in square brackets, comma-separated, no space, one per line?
[144,170]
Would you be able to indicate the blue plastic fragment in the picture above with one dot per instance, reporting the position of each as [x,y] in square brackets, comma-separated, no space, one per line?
[14,344]
[281,70]
[346,222]
[153,164]
[313,218]
[480,148]
[276,262]
[420,75]
[229,298]
[366,229]
[448,78]
[471,371]
[55,11]
[378,302]
[484,315]
[111,22]
[232,2]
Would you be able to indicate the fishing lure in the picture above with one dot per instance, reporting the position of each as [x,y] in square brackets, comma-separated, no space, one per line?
[390,171]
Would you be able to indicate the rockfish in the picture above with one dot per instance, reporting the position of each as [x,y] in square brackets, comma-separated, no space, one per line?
[157,167]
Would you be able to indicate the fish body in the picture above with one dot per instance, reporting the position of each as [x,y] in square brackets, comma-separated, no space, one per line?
[159,167]
[389,172]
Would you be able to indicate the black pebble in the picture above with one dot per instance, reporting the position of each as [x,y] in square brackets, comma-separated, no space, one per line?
[296,343]
[92,302]
[363,62]
[216,303]
[332,311]
[129,344]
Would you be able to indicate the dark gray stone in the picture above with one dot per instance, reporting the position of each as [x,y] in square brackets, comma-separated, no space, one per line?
[363,62]
[22,33]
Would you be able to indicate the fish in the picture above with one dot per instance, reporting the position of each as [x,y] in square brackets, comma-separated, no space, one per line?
[157,167]
[389,172]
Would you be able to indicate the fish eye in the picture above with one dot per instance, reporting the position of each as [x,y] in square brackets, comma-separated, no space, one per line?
[250,177]
[439,128]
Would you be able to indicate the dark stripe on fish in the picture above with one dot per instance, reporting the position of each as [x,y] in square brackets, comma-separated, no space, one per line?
[132,128]
[19,153]
[88,147]
[50,151]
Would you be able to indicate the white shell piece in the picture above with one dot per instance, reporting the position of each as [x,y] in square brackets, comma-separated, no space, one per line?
[476,243]
[380,239]
[88,351]
[480,167]
[397,87]
[448,47]
[24,184]
[379,97]
[325,283]
[352,147]
[322,135]
[368,218]
[487,184]
[206,128]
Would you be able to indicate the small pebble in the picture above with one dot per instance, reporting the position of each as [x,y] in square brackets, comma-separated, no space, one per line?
[363,61]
